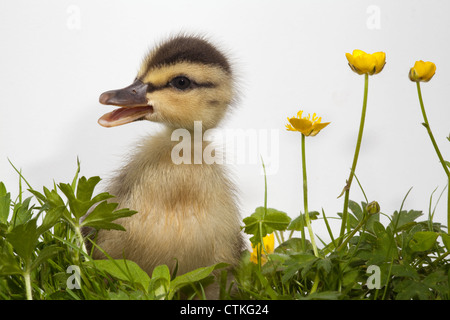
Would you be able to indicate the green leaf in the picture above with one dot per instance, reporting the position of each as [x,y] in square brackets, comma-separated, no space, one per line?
[160,281]
[77,208]
[290,245]
[24,238]
[22,212]
[356,209]
[371,221]
[411,289]
[161,272]
[423,240]
[74,180]
[44,255]
[38,195]
[9,264]
[86,187]
[385,248]
[127,295]
[404,220]
[82,202]
[437,280]
[299,222]
[325,265]
[261,223]
[325,295]
[5,203]
[52,198]
[51,217]
[404,270]
[350,277]
[298,262]
[126,270]
[2,189]
[378,229]
[267,286]
[193,276]
[352,220]
[446,240]
[103,215]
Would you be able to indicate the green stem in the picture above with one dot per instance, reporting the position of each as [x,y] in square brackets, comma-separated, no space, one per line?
[361,223]
[355,159]
[316,283]
[261,247]
[27,278]
[81,240]
[435,262]
[305,198]
[433,141]
[279,236]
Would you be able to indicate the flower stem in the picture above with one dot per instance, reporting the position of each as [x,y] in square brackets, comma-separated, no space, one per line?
[260,247]
[433,141]
[305,198]
[355,160]
[360,224]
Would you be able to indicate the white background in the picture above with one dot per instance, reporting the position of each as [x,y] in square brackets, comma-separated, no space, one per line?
[57,57]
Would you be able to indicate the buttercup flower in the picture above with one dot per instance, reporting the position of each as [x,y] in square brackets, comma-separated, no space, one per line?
[269,244]
[422,71]
[365,63]
[307,126]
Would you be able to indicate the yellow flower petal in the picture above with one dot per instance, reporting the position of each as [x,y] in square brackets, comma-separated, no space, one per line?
[358,52]
[317,127]
[380,61]
[364,63]
[308,126]
[290,128]
[302,125]
[269,246]
[422,71]
[269,243]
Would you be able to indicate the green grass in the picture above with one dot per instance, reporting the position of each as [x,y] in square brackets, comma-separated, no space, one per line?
[42,255]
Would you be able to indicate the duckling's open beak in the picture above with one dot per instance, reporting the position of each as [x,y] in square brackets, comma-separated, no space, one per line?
[133,103]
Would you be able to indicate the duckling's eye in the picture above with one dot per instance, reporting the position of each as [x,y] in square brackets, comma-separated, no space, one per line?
[181,83]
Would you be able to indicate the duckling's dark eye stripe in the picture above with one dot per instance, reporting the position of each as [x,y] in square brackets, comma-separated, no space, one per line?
[204,85]
[194,85]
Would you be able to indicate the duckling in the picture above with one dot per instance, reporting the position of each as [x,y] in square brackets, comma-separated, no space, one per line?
[187,213]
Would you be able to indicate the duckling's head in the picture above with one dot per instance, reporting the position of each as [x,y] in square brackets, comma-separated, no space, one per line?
[183,80]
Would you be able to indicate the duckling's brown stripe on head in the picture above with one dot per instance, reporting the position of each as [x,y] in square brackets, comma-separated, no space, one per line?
[187,49]
[152,88]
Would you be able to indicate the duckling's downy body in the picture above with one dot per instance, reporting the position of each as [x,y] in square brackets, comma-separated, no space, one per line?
[187,213]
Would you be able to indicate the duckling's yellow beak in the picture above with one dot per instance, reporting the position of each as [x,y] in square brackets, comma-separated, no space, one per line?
[133,103]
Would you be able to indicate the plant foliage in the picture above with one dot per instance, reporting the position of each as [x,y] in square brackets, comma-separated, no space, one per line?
[42,255]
